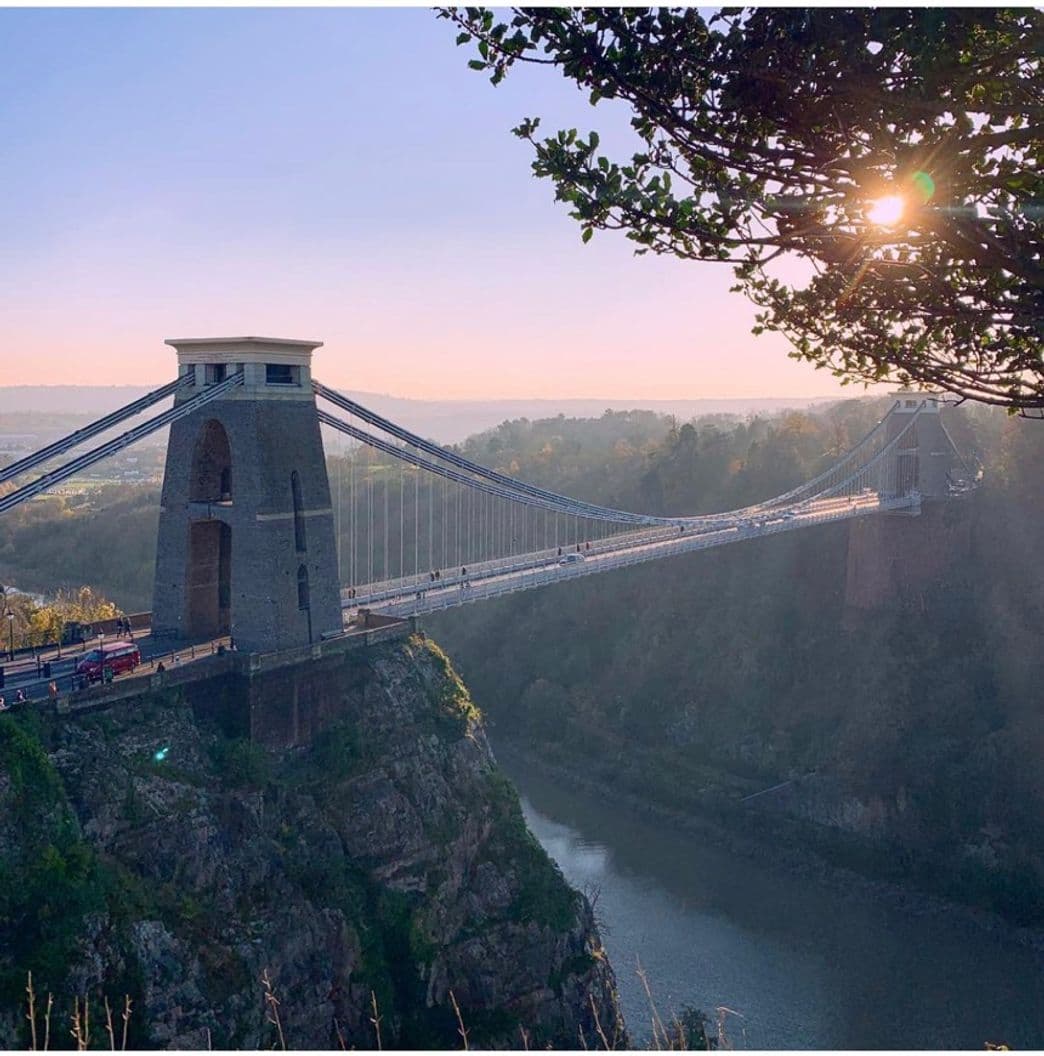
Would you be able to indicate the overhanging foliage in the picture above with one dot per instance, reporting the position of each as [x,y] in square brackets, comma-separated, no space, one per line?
[768,132]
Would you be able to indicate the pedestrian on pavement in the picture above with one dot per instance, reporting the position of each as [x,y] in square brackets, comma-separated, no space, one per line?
[52,689]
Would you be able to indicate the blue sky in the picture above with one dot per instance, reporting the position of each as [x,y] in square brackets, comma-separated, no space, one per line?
[336,174]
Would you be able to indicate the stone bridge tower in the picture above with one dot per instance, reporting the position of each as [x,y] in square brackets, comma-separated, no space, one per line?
[924,458]
[246,534]
[894,561]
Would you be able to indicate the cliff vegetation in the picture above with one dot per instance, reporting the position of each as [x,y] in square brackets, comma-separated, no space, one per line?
[373,878]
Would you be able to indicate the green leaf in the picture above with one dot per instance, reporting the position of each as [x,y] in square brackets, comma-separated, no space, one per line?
[588,232]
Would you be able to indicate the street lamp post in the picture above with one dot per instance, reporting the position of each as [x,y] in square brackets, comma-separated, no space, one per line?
[10,634]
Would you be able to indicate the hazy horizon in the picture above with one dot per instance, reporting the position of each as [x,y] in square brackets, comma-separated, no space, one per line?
[447,421]
[849,393]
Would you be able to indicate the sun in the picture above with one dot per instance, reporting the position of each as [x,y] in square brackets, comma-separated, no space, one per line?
[886,211]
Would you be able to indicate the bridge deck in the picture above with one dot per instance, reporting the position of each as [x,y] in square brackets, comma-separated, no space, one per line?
[416,595]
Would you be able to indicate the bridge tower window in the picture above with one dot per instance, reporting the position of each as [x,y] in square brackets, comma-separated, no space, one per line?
[215,373]
[300,540]
[303,595]
[282,374]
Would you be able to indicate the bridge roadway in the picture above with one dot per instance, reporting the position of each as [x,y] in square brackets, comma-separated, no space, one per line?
[416,595]
[26,673]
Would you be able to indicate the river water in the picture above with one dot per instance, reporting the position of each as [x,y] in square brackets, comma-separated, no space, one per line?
[799,964]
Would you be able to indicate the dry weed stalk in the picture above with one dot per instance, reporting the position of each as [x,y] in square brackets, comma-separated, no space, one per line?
[583,1040]
[126,1022]
[680,1033]
[525,1038]
[375,1019]
[340,1034]
[723,1039]
[108,1026]
[272,1014]
[47,1021]
[81,1024]
[32,1009]
[661,1040]
[598,1022]
[460,1020]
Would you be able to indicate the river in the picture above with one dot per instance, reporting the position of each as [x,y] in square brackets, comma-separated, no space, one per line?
[800,965]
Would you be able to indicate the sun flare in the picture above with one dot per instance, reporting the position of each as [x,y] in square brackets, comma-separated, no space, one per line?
[886,211]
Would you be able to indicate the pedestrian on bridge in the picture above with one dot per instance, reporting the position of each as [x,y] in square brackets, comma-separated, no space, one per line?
[52,689]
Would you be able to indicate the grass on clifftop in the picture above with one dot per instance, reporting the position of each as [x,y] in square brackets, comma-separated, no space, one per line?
[452,698]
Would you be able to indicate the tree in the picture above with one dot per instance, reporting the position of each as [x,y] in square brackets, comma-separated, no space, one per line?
[36,624]
[897,152]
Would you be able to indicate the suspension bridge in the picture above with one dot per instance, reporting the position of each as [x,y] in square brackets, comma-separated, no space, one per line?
[249,542]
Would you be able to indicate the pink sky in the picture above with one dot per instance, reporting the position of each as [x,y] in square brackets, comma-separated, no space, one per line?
[156,192]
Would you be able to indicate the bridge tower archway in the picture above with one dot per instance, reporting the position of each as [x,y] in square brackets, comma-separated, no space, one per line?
[246,502]
[211,474]
[208,595]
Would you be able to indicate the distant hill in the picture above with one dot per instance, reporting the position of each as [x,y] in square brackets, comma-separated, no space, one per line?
[448,421]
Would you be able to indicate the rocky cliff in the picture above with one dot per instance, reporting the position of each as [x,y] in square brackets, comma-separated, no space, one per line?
[386,866]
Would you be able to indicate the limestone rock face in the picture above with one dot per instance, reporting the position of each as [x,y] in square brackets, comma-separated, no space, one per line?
[387,862]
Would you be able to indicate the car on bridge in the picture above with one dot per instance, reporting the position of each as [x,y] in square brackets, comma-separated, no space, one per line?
[571,559]
[117,657]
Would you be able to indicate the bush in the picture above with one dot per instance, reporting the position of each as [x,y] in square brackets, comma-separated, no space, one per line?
[51,881]
[242,764]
